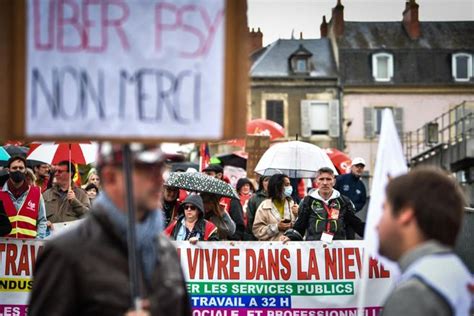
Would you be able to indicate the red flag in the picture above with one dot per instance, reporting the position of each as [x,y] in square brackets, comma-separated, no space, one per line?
[204,156]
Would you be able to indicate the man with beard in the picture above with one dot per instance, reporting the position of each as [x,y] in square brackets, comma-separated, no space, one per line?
[23,203]
[422,216]
[85,271]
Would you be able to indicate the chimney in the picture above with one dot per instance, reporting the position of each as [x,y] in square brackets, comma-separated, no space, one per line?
[255,39]
[301,35]
[410,20]
[324,28]
[337,19]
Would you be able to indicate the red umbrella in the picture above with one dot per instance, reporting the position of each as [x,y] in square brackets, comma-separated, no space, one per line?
[53,153]
[261,127]
[341,161]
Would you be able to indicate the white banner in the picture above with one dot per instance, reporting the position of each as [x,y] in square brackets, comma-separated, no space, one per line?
[241,278]
[138,69]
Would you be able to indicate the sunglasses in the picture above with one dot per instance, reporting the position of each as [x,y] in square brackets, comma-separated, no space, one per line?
[190,207]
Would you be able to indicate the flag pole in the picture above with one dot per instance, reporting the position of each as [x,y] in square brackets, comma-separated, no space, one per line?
[131,233]
[69,166]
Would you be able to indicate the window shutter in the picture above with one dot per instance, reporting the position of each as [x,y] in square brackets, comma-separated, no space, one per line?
[368,123]
[334,118]
[305,119]
[398,117]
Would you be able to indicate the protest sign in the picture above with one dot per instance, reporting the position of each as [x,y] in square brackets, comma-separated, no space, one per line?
[130,70]
[241,278]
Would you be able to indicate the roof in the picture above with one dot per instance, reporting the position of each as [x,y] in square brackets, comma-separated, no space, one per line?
[391,35]
[425,61]
[272,61]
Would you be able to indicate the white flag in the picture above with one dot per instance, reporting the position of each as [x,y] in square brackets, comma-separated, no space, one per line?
[390,163]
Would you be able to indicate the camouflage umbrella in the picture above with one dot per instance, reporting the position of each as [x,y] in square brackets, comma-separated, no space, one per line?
[199,182]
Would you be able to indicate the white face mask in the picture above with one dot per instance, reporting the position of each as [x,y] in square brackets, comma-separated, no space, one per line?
[288,191]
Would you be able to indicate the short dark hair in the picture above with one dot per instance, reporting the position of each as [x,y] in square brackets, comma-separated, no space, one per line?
[91,186]
[275,186]
[243,181]
[436,199]
[15,158]
[325,170]
[66,163]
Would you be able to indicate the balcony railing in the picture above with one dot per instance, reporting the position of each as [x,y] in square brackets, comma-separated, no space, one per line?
[450,128]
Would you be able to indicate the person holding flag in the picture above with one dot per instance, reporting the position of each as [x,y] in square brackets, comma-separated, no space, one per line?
[64,200]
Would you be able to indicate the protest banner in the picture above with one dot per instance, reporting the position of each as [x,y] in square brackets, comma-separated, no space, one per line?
[241,278]
[126,70]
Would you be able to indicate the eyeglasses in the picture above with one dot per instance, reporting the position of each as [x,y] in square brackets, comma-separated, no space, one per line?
[59,171]
[190,207]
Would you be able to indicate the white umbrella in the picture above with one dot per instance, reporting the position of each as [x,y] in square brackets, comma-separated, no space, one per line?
[52,153]
[295,159]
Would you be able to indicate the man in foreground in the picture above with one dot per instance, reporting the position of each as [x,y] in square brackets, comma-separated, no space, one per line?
[422,216]
[85,271]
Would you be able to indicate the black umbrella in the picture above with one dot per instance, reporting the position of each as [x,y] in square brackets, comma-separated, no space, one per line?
[183,166]
[13,150]
[236,159]
[199,182]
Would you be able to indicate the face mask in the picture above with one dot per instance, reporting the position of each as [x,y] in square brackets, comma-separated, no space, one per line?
[288,190]
[17,176]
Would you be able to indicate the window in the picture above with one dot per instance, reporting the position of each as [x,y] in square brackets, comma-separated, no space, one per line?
[462,67]
[300,61]
[301,65]
[274,111]
[382,66]
[319,118]
[373,120]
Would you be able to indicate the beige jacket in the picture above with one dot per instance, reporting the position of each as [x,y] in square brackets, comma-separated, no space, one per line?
[59,209]
[267,217]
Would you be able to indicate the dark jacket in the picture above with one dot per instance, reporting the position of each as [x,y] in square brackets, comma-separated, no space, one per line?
[59,209]
[234,208]
[313,218]
[5,225]
[352,187]
[252,207]
[85,272]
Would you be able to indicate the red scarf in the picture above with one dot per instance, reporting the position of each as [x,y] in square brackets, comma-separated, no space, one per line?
[17,192]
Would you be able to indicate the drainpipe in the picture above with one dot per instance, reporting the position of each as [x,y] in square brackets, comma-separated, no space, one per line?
[340,94]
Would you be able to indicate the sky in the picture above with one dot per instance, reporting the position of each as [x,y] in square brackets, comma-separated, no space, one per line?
[279,18]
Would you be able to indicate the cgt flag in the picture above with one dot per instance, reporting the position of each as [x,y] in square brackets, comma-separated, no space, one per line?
[204,156]
[390,163]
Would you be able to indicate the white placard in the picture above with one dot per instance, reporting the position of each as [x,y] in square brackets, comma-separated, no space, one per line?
[132,69]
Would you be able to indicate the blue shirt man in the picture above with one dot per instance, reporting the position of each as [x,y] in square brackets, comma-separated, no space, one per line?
[352,186]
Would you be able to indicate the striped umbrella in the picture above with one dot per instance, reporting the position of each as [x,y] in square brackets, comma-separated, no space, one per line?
[53,153]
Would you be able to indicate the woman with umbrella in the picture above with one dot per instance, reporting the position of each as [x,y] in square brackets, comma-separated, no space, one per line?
[215,213]
[277,213]
[191,225]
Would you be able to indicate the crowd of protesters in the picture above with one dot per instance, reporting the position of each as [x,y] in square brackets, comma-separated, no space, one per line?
[264,211]
[31,202]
